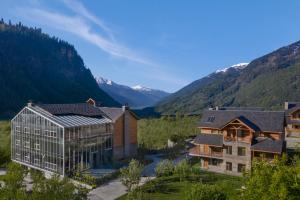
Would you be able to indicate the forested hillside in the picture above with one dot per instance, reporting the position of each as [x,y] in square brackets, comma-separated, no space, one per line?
[35,66]
[267,82]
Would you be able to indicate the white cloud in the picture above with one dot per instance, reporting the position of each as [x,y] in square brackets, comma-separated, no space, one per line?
[78,26]
[81,10]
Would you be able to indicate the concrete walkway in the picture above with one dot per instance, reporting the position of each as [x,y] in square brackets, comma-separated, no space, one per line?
[114,189]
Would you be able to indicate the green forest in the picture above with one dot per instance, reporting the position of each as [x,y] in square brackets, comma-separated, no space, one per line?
[154,133]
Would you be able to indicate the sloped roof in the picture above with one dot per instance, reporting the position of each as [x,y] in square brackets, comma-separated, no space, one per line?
[70,120]
[269,121]
[112,113]
[267,145]
[83,109]
[210,139]
[246,122]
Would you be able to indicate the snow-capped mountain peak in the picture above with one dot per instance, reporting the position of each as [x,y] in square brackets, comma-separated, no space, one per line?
[102,80]
[141,88]
[236,66]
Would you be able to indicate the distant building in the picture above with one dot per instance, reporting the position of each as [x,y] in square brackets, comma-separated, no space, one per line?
[231,138]
[61,137]
[292,130]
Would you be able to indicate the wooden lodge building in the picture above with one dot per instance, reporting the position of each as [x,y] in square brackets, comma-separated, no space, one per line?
[232,137]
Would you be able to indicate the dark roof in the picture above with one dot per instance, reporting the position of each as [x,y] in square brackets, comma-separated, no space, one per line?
[82,109]
[241,108]
[112,113]
[267,144]
[272,121]
[210,139]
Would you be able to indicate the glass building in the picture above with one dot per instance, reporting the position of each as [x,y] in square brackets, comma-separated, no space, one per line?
[61,137]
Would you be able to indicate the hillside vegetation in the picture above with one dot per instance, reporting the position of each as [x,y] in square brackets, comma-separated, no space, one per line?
[154,133]
[4,142]
[267,82]
[35,66]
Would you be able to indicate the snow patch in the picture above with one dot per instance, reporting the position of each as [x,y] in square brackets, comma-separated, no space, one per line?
[239,66]
[141,88]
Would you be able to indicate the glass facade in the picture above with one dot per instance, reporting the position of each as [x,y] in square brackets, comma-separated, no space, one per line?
[38,142]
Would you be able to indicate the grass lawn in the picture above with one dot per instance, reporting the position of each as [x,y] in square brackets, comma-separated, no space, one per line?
[172,188]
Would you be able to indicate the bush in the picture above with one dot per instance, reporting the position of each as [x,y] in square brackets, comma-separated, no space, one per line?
[182,169]
[131,175]
[164,168]
[204,192]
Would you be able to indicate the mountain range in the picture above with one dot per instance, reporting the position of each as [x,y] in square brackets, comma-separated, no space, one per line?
[266,82]
[35,66]
[136,96]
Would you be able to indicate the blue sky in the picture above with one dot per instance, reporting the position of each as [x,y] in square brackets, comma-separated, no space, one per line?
[162,44]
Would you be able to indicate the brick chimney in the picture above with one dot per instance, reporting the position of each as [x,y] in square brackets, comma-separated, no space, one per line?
[91,102]
[125,107]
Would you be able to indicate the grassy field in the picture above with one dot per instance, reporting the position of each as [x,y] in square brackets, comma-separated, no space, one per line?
[171,187]
[4,142]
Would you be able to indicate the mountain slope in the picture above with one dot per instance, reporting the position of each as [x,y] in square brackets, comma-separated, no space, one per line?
[37,67]
[136,97]
[267,81]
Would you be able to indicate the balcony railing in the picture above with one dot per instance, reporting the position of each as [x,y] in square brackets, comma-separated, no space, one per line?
[196,151]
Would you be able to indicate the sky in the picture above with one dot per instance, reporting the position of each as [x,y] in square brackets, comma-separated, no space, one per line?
[162,44]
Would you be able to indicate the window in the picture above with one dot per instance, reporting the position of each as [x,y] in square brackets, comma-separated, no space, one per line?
[18,142]
[27,144]
[53,134]
[228,166]
[229,150]
[18,156]
[214,162]
[49,165]
[210,119]
[108,143]
[242,133]
[241,168]
[241,151]
[27,158]
[37,162]
[37,146]
[37,131]
[26,130]
[18,129]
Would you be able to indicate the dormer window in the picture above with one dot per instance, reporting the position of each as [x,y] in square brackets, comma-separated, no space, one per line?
[210,119]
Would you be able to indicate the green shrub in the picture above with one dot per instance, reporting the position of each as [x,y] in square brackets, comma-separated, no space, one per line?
[182,169]
[164,168]
[204,192]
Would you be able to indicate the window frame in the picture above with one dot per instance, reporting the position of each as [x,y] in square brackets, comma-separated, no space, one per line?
[242,152]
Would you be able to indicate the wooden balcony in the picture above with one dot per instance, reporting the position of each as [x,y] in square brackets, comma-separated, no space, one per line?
[196,152]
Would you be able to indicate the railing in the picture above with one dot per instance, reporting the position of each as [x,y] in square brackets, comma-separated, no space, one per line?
[229,139]
[196,151]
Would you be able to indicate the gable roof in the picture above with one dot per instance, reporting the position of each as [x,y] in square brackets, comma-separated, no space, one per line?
[267,145]
[244,121]
[112,113]
[210,139]
[268,121]
[115,113]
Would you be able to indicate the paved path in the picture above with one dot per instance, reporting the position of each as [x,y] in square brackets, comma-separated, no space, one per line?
[114,189]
